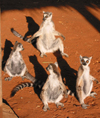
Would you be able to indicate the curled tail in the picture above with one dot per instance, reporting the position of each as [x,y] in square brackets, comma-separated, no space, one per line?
[17,34]
[20,36]
[18,87]
[38,84]
[70,92]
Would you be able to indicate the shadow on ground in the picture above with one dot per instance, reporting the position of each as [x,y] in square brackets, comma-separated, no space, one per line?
[40,73]
[68,74]
[7,50]
[79,5]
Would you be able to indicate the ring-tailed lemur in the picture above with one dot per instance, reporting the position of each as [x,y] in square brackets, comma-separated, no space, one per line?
[15,65]
[54,88]
[46,41]
[84,83]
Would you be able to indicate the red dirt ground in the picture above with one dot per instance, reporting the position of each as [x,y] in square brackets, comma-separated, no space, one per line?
[82,37]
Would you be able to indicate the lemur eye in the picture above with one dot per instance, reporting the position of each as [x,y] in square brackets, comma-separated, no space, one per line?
[19,44]
[46,16]
[82,60]
[87,61]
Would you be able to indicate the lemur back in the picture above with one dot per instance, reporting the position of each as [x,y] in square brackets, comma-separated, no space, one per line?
[15,65]
[84,83]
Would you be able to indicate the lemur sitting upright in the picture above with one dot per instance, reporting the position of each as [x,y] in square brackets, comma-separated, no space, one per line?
[54,88]
[46,41]
[15,65]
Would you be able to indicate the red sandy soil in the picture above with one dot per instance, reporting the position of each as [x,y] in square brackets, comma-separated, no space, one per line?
[82,38]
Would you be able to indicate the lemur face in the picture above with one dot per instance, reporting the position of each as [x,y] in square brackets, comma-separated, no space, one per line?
[47,15]
[18,46]
[85,61]
[53,68]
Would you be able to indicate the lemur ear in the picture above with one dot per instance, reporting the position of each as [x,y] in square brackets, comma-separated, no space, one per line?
[16,42]
[51,13]
[43,12]
[90,58]
[80,57]
[56,64]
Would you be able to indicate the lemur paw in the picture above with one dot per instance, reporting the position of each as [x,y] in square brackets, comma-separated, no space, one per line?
[64,54]
[92,94]
[8,78]
[43,54]
[84,106]
[46,107]
[59,104]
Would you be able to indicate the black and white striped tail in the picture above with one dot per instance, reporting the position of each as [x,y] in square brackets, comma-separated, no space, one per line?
[16,33]
[17,88]
[20,36]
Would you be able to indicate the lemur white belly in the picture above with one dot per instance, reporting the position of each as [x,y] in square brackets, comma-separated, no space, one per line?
[16,58]
[88,84]
[54,82]
[48,36]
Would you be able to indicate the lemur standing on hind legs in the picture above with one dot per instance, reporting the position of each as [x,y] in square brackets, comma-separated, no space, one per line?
[46,41]
[84,82]
[15,65]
